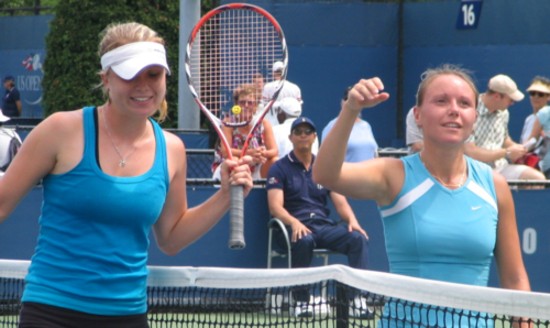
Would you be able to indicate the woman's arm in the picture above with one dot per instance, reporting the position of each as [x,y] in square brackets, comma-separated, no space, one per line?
[178,225]
[53,146]
[511,270]
[508,256]
[271,149]
[379,178]
[536,132]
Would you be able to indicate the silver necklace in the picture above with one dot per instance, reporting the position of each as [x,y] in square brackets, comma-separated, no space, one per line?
[452,185]
[448,185]
[123,159]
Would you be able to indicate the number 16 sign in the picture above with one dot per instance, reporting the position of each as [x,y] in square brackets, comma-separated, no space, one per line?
[468,14]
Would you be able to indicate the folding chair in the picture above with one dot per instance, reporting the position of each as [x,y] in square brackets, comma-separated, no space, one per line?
[273,252]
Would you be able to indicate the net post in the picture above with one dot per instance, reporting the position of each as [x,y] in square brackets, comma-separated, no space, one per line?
[342,306]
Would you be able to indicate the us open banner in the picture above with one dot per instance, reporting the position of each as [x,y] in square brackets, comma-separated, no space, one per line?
[22,54]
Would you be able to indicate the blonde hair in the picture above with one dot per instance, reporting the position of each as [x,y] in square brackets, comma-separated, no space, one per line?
[244,90]
[119,34]
[447,69]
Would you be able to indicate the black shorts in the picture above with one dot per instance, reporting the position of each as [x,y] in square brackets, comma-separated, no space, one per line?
[36,315]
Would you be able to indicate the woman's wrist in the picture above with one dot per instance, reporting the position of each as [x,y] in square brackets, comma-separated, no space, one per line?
[507,154]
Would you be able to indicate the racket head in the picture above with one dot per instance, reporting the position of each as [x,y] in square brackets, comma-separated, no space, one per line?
[227,48]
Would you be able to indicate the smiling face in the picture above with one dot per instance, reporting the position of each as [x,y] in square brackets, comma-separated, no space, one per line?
[447,110]
[142,94]
[248,105]
[245,97]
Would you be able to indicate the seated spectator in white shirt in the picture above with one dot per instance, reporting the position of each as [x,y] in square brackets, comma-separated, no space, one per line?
[413,135]
[287,110]
[289,89]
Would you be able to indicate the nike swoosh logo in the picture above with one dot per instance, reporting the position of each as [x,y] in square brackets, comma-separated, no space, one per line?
[475,208]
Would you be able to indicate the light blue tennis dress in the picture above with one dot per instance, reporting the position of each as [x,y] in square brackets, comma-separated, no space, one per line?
[433,232]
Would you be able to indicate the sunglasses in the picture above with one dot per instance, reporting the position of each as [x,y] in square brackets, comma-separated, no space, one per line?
[247,103]
[299,132]
[538,94]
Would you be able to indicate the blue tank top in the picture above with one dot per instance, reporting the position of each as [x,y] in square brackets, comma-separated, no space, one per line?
[437,233]
[92,248]
[433,232]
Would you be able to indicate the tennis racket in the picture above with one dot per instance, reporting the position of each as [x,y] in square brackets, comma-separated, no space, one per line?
[226,49]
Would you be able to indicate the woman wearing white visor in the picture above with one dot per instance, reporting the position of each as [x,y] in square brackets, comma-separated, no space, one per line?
[110,173]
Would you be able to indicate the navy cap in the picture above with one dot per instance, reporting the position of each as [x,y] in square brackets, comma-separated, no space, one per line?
[9,78]
[302,120]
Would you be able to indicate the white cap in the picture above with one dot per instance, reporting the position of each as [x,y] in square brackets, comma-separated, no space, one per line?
[278,66]
[289,105]
[504,84]
[3,118]
[128,60]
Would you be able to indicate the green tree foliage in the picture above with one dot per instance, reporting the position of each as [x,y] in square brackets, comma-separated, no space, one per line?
[72,63]
[26,7]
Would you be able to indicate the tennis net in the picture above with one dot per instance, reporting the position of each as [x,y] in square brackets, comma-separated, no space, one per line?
[331,296]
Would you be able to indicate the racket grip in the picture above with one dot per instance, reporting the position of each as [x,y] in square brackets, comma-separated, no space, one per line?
[236,218]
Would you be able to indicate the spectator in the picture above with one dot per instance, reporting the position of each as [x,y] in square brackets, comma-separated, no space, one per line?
[258,82]
[361,143]
[110,175]
[302,206]
[445,214]
[11,103]
[288,109]
[289,89]
[490,141]
[539,95]
[10,142]
[262,146]
[413,134]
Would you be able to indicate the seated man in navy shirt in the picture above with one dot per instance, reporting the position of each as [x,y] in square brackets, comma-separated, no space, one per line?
[302,206]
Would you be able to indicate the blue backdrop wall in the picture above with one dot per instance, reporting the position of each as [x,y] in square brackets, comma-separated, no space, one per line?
[510,38]
[333,44]
[18,235]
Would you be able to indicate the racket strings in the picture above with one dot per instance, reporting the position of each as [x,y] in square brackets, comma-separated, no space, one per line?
[229,50]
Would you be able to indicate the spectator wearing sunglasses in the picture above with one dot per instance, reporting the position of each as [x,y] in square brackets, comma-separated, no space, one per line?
[262,145]
[539,93]
[490,141]
[288,110]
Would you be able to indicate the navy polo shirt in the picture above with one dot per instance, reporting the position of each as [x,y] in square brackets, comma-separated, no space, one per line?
[9,103]
[303,198]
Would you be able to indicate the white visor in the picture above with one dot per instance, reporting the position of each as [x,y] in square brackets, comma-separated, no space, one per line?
[128,60]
